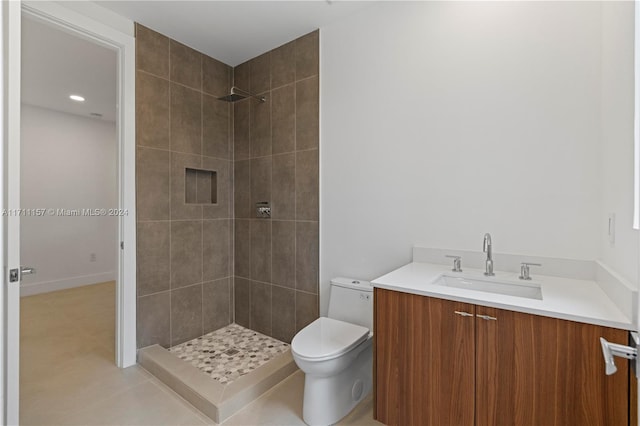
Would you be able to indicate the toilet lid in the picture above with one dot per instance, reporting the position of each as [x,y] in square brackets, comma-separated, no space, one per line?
[327,338]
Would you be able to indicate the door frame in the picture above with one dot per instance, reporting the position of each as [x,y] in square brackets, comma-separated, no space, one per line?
[123,43]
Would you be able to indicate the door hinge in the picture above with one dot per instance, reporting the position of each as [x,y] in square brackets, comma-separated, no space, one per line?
[121,245]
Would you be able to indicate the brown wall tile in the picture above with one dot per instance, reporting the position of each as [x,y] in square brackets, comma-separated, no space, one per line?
[307,256]
[216,141]
[307,114]
[180,210]
[241,129]
[152,184]
[190,186]
[186,65]
[152,111]
[283,119]
[153,257]
[260,132]
[153,314]
[242,301]
[186,253]
[283,317]
[307,185]
[306,309]
[261,307]
[307,55]
[186,119]
[242,244]
[277,173]
[186,314]
[283,65]
[216,297]
[261,250]
[152,51]
[216,77]
[216,249]
[194,130]
[260,73]
[242,76]
[284,187]
[205,182]
[260,181]
[242,189]
[222,209]
[284,253]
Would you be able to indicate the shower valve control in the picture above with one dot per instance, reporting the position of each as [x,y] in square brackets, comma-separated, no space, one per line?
[263,209]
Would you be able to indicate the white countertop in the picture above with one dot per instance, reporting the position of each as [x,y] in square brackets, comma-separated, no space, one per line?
[564,298]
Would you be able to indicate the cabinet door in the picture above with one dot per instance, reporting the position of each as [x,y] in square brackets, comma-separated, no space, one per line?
[533,370]
[424,360]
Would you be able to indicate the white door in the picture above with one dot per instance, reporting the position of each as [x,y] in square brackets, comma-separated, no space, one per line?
[10,307]
[119,35]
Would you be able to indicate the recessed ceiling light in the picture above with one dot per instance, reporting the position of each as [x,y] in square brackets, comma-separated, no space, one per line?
[76,98]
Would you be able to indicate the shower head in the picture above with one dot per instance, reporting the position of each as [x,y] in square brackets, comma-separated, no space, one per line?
[239,94]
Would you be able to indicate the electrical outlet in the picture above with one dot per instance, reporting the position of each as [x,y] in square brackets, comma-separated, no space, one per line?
[611,230]
[92,257]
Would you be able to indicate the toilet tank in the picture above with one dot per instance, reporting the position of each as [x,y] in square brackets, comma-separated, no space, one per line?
[351,301]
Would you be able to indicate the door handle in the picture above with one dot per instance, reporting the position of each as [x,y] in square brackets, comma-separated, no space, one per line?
[609,350]
[27,270]
[16,274]
[487,317]
[463,314]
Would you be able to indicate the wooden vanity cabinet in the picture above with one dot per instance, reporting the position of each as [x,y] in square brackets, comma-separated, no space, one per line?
[438,362]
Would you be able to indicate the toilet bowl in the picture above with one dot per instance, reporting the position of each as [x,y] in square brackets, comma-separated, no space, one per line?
[336,354]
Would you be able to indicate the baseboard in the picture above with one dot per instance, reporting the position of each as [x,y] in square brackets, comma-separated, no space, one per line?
[48,286]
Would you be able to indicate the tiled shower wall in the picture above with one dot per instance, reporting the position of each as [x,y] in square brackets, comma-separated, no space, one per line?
[184,249]
[276,160]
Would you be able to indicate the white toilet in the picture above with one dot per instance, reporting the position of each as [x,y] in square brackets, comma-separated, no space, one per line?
[336,354]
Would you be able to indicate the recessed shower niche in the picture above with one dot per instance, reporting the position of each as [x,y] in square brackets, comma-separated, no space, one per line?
[201,186]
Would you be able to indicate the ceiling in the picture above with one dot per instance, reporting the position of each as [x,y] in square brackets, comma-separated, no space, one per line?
[234,31]
[56,64]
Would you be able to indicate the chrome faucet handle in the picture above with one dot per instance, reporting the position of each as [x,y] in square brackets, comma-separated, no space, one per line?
[456,262]
[524,270]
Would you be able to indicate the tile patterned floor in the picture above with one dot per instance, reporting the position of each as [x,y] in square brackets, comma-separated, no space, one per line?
[68,374]
[73,330]
[230,352]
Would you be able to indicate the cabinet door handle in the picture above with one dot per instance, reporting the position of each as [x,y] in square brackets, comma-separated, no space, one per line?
[463,314]
[487,317]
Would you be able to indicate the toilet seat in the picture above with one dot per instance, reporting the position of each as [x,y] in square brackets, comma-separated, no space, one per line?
[327,338]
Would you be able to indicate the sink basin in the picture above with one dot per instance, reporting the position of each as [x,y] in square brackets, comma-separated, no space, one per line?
[529,290]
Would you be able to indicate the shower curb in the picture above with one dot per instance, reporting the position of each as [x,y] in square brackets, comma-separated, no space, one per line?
[217,401]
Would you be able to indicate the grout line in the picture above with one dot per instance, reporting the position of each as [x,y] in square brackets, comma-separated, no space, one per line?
[295,80]
[170,207]
[270,100]
[213,95]
[155,293]
[232,189]
[280,153]
[202,277]
[201,207]
[186,153]
[295,195]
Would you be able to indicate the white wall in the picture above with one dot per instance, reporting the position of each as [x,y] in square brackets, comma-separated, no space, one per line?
[444,120]
[68,162]
[617,138]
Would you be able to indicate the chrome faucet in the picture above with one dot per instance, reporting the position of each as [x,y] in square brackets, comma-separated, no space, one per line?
[486,248]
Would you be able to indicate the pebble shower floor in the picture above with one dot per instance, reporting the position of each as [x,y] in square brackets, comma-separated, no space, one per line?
[230,352]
